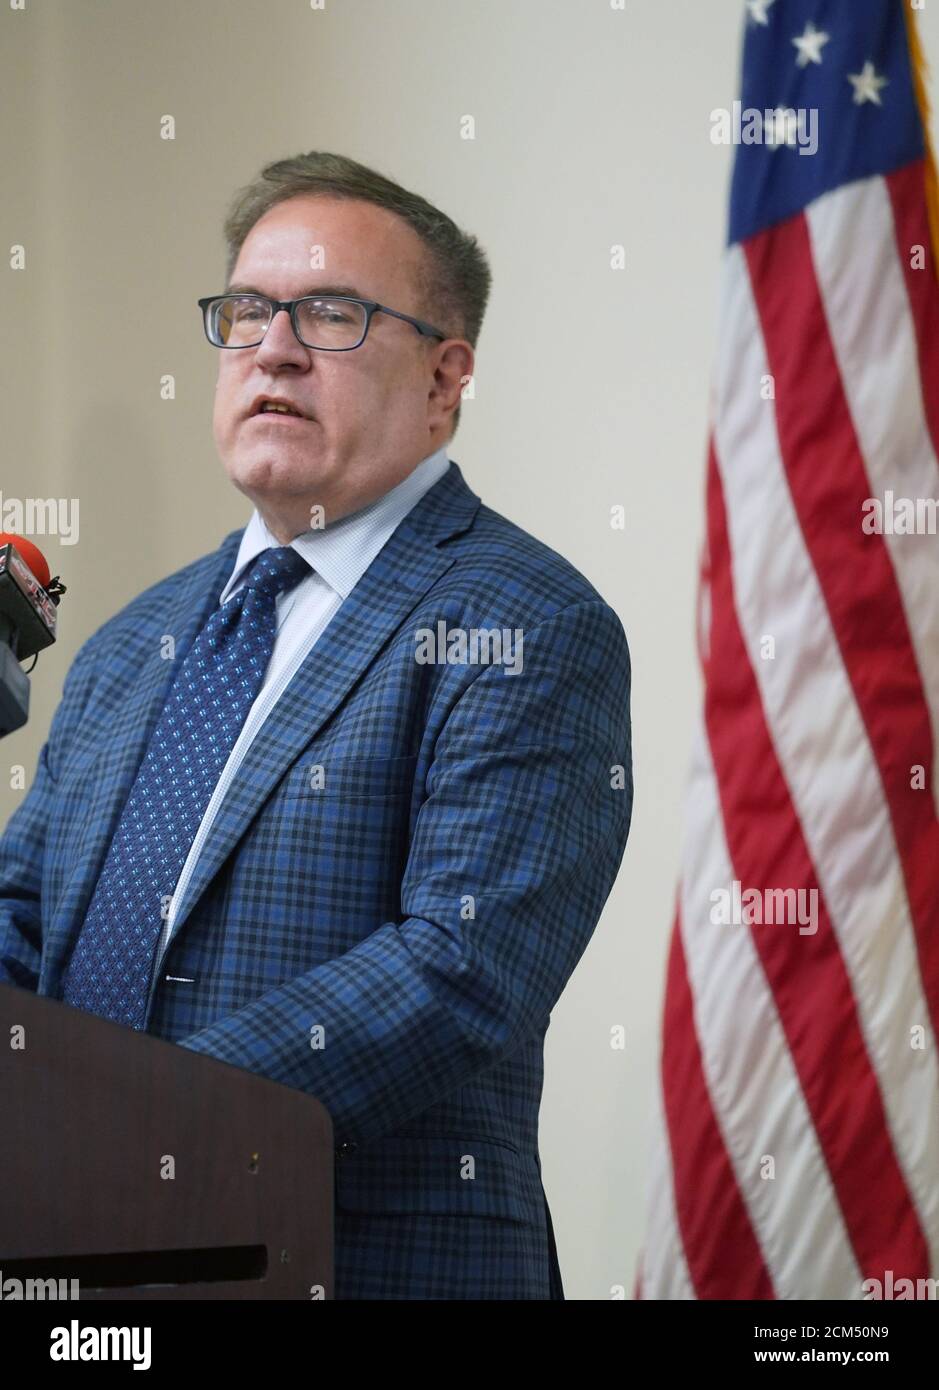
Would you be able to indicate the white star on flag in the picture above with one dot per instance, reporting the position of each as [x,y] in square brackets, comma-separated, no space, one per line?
[758,10]
[810,45]
[867,84]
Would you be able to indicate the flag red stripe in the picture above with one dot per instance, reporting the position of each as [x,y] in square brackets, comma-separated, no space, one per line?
[829,483]
[806,973]
[723,1255]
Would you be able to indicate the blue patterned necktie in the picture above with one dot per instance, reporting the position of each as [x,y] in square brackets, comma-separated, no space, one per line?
[219,680]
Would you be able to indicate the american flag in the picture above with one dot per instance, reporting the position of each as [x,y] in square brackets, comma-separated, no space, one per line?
[796,1126]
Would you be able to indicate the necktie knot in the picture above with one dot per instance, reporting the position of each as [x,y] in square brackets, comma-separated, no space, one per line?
[275,571]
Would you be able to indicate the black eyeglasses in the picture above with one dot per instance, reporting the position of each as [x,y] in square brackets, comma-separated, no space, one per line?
[335,323]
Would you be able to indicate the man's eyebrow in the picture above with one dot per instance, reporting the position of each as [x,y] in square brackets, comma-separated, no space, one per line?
[311,290]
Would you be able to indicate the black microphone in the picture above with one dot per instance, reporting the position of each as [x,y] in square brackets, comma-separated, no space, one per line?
[28,603]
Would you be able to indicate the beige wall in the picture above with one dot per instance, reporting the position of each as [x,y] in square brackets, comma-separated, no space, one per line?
[591,129]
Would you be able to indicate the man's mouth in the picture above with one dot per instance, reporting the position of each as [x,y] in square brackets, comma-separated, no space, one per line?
[282,414]
[269,408]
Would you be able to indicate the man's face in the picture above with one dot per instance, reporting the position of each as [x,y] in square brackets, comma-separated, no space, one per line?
[373,413]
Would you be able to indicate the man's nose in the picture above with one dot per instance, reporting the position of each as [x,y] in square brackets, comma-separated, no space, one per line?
[280,339]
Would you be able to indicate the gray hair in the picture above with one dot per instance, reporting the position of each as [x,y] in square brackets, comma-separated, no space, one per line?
[455,278]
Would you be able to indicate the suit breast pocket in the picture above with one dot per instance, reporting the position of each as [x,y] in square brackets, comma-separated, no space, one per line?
[322,777]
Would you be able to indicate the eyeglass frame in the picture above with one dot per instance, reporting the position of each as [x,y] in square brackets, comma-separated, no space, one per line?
[371,307]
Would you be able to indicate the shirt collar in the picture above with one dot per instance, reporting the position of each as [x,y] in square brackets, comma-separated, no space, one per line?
[342,552]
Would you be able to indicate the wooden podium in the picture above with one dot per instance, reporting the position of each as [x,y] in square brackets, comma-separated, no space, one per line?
[146,1171]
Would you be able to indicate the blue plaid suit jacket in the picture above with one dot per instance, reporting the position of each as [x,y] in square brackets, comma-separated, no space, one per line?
[424,907]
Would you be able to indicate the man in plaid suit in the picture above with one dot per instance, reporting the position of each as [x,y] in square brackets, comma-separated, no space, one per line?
[401,857]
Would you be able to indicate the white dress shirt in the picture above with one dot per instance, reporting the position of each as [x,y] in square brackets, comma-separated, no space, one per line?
[339,555]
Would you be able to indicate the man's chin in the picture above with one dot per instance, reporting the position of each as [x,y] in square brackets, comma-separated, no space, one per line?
[273,473]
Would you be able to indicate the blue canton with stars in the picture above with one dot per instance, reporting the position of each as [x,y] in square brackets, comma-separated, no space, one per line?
[850,60]
[218,682]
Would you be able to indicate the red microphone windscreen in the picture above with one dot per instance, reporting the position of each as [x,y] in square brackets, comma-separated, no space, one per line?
[30,554]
